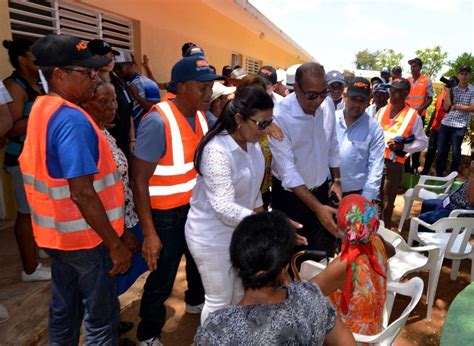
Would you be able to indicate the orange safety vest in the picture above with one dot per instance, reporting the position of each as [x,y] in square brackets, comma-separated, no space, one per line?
[417,95]
[439,111]
[401,125]
[174,178]
[57,221]
[168,97]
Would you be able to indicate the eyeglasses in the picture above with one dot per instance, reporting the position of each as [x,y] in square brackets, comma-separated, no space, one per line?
[92,73]
[313,95]
[262,124]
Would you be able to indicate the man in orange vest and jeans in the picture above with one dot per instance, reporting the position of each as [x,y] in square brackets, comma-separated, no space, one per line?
[420,98]
[398,120]
[76,196]
[164,176]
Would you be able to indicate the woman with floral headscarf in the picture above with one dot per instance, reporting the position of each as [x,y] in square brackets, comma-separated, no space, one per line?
[356,280]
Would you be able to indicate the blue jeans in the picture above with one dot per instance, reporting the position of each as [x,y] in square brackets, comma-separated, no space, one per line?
[447,137]
[82,288]
[169,225]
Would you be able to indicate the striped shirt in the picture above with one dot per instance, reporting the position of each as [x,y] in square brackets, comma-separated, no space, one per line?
[455,118]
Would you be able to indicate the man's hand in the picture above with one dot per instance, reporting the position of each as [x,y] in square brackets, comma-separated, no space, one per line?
[134,91]
[326,216]
[274,131]
[394,146]
[121,258]
[151,249]
[337,189]
[145,62]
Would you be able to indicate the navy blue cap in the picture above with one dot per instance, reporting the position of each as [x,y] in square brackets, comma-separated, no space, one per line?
[193,68]
[400,83]
[194,51]
[335,76]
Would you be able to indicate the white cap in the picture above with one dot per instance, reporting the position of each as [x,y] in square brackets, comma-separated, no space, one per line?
[290,75]
[281,75]
[218,89]
[123,57]
[238,73]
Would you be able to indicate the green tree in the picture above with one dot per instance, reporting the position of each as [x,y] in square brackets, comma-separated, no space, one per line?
[433,60]
[463,59]
[388,57]
[366,60]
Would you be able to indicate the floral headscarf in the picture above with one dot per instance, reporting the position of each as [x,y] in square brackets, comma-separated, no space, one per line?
[358,218]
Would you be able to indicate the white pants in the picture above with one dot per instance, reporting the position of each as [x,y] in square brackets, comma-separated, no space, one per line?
[221,285]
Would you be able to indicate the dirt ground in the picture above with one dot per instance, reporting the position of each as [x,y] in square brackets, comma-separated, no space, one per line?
[28,303]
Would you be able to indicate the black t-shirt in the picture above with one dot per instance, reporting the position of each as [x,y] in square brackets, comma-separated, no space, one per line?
[121,130]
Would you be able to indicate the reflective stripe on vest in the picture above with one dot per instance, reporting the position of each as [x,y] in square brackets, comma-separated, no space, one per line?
[174,176]
[61,192]
[404,129]
[73,226]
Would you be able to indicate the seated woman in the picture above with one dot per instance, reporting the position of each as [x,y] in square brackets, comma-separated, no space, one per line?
[356,280]
[260,251]
[433,210]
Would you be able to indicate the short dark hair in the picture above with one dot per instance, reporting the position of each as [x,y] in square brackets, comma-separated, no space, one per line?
[185,47]
[310,68]
[47,72]
[261,247]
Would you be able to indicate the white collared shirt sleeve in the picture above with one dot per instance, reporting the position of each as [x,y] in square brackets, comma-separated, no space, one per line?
[283,161]
[217,176]
[334,157]
[421,141]
[376,160]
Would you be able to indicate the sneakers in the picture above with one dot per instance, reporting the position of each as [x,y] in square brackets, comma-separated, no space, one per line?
[151,342]
[41,273]
[4,315]
[42,254]
[194,309]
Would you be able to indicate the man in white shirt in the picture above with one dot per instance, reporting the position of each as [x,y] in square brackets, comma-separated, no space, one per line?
[302,159]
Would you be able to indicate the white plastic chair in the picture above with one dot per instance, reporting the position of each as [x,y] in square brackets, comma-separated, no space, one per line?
[412,288]
[454,245]
[423,191]
[409,260]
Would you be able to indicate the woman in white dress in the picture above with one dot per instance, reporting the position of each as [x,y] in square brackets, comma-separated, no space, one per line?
[230,164]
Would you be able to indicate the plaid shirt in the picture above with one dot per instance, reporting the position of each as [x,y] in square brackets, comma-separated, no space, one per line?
[457,118]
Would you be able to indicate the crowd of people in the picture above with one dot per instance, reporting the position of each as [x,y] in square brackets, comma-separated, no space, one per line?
[236,172]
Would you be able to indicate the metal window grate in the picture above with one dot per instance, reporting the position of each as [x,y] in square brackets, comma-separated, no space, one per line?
[252,65]
[36,18]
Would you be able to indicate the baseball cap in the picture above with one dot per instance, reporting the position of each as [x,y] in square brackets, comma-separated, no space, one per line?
[100,47]
[335,76]
[290,76]
[238,73]
[385,69]
[281,75]
[465,68]
[269,74]
[417,60]
[219,89]
[400,83]
[396,69]
[124,56]
[359,87]
[65,50]
[381,87]
[193,68]
[194,51]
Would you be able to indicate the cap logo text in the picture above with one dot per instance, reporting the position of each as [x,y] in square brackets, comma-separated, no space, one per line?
[81,46]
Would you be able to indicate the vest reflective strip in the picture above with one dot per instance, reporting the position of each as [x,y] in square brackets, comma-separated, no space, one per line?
[61,192]
[176,142]
[172,189]
[406,121]
[203,122]
[173,170]
[72,226]
[422,98]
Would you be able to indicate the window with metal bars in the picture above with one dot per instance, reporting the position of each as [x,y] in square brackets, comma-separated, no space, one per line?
[36,18]
[252,65]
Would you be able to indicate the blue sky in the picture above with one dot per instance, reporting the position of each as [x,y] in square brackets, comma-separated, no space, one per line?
[333,31]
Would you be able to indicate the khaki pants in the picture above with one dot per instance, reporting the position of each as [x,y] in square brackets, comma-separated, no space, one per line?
[392,177]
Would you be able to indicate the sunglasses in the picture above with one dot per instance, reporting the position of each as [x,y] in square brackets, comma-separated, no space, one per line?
[92,73]
[313,95]
[262,124]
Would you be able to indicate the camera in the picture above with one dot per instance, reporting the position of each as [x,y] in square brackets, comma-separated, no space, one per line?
[451,82]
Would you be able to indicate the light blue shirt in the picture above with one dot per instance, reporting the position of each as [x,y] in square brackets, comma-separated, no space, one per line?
[361,147]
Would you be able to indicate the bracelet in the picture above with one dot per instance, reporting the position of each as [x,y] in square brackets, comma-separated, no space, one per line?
[132,140]
[336,180]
